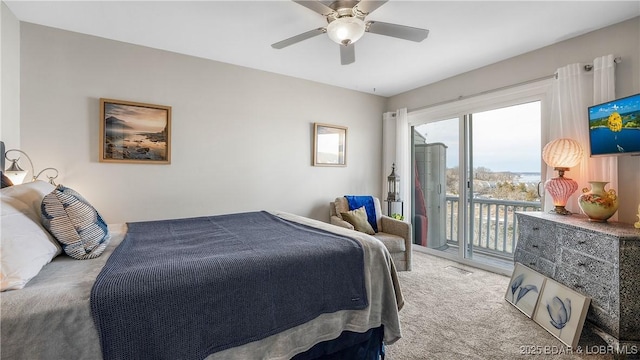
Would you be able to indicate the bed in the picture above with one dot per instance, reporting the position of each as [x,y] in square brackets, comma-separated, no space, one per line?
[54,316]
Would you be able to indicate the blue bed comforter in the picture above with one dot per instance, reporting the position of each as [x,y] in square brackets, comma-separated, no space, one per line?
[183,289]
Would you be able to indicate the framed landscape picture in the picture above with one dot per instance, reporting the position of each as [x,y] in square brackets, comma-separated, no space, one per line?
[329,145]
[524,289]
[562,311]
[132,132]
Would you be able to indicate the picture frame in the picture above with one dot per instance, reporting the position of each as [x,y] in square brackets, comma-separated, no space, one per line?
[133,132]
[524,289]
[329,145]
[562,312]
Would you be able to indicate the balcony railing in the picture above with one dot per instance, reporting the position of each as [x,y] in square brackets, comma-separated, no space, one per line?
[494,224]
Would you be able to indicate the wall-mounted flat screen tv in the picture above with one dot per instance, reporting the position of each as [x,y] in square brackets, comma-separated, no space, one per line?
[614,127]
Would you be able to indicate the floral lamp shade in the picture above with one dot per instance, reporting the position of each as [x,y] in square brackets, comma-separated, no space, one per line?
[561,154]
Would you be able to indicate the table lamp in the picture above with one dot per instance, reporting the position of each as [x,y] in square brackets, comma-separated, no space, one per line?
[561,154]
[393,183]
[16,174]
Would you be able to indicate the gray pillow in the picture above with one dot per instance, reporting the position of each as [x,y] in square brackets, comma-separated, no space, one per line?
[74,223]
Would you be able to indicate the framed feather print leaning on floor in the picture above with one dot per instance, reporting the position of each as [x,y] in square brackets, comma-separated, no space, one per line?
[524,289]
[562,311]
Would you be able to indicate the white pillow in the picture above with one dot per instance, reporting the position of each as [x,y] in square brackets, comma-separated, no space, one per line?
[30,193]
[25,246]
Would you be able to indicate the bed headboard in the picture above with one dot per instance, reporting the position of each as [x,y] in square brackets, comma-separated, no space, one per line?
[2,154]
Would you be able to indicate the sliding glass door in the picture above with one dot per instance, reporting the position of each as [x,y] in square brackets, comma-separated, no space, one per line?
[504,167]
[471,173]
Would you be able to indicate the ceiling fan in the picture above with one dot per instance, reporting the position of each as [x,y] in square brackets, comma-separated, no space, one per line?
[346,24]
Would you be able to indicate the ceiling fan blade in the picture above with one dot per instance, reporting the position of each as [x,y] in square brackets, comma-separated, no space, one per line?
[397,31]
[316,6]
[347,54]
[368,7]
[295,39]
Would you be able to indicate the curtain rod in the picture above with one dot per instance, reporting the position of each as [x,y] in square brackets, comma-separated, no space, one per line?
[587,67]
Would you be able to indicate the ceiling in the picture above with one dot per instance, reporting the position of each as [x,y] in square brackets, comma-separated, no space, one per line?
[464,35]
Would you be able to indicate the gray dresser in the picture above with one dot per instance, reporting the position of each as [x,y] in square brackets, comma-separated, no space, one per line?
[600,260]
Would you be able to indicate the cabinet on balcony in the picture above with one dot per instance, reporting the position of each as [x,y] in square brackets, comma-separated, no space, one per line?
[431,167]
[600,260]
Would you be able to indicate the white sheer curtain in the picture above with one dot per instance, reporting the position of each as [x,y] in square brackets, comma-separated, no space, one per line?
[604,89]
[574,90]
[403,168]
[388,150]
[395,149]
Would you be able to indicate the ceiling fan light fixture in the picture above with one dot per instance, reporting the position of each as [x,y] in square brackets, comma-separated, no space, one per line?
[346,30]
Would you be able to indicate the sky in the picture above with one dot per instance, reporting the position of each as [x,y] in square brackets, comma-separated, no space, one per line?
[506,139]
[141,118]
[624,105]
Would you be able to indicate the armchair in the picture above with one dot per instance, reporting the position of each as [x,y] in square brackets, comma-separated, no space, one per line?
[394,234]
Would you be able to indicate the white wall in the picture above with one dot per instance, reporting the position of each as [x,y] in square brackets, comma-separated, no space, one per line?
[9,78]
[621,39]
[241,138]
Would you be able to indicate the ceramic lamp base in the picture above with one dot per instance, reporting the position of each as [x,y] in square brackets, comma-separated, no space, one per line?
[560,189]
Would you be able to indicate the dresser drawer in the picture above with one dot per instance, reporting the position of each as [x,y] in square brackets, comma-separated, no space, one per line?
[600,293]
[597,245]
[538,238]
[535,262]
[605,320]
[588,267]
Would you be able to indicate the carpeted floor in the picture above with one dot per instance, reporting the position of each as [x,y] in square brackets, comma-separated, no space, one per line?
[454,314]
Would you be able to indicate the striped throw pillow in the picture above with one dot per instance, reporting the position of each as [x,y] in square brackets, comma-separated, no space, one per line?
[74,223]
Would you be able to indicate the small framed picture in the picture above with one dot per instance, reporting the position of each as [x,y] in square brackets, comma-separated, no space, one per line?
[562,311]
[132,132]
[524,289]
[329,145]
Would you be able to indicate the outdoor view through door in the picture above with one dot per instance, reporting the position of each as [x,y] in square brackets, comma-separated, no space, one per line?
[468,210]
